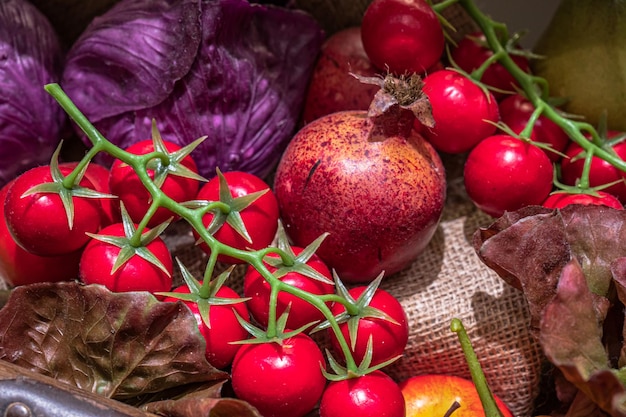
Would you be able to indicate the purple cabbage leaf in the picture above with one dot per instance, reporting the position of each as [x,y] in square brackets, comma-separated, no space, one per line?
[31,122]
[230,70]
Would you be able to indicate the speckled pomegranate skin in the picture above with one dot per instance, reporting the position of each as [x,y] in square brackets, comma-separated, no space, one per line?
[380,199]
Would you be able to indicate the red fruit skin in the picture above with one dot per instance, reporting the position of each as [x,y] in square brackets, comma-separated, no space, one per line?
[560,200]
[225,327]
[301,312]
[20,267]
[433,395]
[137,274]
[402,36]
[462,112]
[600,173]
[516,110]
[280,381]
[125,184]
[470,55]
[260,218]
[332,87]
[371,395]
[389,339]
[38,223]
[503,173]
[379,195]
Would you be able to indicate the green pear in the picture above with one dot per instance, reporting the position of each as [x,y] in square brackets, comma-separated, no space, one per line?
[584,50]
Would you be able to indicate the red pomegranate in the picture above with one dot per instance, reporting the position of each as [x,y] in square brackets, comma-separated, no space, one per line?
[369,179]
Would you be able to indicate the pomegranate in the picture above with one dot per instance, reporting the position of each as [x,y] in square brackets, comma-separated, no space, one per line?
[369,179]
[332,88]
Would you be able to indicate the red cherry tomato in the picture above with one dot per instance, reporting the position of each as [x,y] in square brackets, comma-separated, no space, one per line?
[464,115]
[137,274]
[125,184]
[301,312]
[470,54]
[280,380]
[503,173]
[225,327]
[600,173]
[516,110]
[371,395]
[389,339]
[402,36]
[560,200]
[20,267]
[260,218]
[39,223]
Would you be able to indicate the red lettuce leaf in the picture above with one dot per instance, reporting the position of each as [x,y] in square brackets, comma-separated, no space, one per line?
[570,265]
[120,345]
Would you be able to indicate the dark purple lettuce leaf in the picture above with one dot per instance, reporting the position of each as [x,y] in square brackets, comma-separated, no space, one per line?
[119,345]
[571,267]
[244,89]
[31,121]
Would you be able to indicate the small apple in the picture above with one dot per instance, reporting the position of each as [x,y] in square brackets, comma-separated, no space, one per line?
[444,395]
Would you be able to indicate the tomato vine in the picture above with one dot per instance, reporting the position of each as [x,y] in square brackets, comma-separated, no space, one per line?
[193,215]
[534,87]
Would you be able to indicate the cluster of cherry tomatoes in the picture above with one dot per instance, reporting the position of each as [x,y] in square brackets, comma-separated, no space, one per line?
[115,240]
[515,154]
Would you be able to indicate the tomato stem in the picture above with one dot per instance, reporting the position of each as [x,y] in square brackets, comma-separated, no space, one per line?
[535,88]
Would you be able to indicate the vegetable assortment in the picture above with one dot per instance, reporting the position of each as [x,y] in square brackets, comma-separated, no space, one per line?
[189,122]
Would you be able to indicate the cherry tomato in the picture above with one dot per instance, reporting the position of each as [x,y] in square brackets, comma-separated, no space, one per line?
[471,52]
[516,110]
[260,218]
[301,312]
[280,380]
[402,36]
[371,395]
[389,339]
[99,176]
[20,267]
[125,184]
[464,115]
[560,200]
[225,327]
[39,223]
[503,173]
[600,173]
[137,274]
[437,395]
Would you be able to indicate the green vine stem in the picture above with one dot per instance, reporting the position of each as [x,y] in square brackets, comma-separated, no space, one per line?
[478,376]
[193,216]
[535,88]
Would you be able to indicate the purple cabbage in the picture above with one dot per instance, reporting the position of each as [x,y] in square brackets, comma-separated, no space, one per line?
[233,71]
[31,122]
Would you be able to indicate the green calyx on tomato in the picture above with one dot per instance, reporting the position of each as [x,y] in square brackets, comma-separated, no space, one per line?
[203,294]
[127,245]
[65,192]
[170,163]
[229,211]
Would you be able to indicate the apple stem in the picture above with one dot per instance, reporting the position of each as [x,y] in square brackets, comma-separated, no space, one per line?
[455,406]
[476,371]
